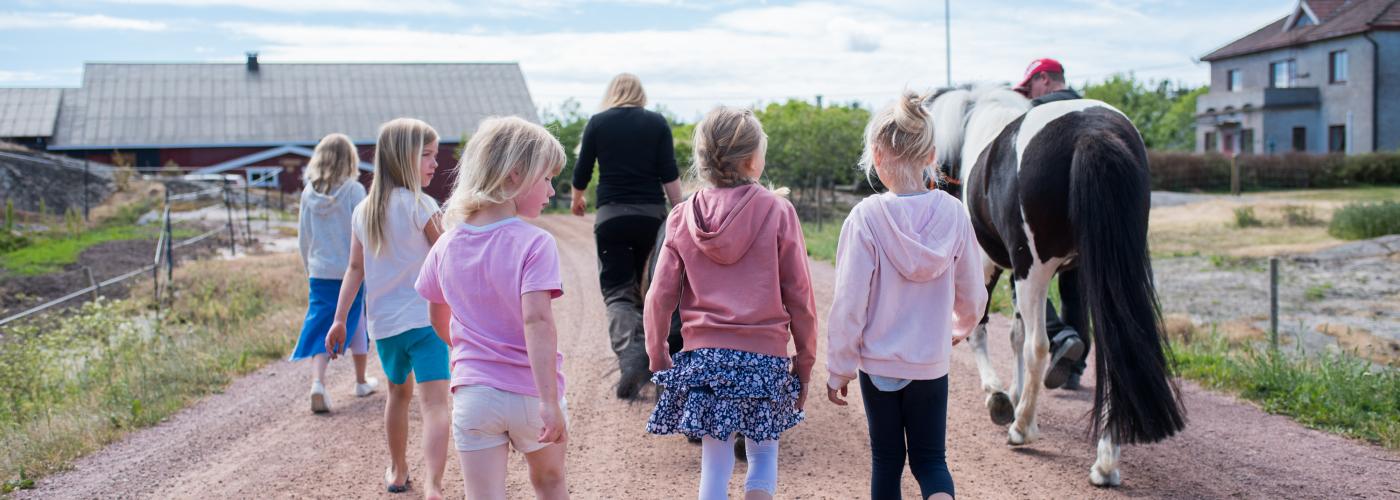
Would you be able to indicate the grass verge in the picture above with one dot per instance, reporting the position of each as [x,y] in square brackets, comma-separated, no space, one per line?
[70,385]
[1337,393]
[52,253]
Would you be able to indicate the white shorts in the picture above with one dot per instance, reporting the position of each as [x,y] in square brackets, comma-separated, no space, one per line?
[485,417]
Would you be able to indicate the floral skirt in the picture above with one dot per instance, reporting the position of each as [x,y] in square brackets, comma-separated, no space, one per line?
[718,392]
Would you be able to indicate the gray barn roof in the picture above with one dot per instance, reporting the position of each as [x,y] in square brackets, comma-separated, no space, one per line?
[206,105]
[28,112]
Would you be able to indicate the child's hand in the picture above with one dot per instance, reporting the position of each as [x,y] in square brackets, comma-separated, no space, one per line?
[555,429]
[802,398]
[831,395]
[335,339]
[957,339]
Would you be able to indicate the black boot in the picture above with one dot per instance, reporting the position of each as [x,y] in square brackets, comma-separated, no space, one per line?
[1068,350]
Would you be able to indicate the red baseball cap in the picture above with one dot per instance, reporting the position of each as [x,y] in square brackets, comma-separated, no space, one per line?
[1038,66]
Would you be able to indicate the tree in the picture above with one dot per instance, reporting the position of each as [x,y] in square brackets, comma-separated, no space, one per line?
[806,142]
[1164,112]
[566,123]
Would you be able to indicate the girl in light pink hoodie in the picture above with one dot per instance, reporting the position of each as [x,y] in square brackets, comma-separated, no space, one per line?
[735,263]
[909,285]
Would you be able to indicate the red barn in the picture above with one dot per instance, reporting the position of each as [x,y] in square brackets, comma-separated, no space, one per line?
[261,120]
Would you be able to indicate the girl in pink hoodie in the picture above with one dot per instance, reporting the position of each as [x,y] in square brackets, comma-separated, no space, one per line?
[735,263]
[910,249]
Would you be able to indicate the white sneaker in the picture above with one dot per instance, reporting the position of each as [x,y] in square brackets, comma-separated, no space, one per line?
[320,401]
[367,388]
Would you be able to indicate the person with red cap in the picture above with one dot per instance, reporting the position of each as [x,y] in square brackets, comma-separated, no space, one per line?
[1069,340]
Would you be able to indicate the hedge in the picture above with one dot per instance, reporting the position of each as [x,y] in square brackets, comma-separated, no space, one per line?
[1211,172]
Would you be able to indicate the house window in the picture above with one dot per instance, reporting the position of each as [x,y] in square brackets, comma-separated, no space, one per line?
[1300,139]
[1247,141]
[1210,142]
[1283,73]
[1232,80]
[1337,67]
[1337,139]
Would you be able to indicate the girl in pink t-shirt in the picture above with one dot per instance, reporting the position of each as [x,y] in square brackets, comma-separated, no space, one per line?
[489,281]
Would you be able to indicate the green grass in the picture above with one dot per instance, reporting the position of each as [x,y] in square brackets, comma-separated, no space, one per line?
[1358,221]
[70,385]
[821,243]
[1352,194]
[1337,393]
[52,253]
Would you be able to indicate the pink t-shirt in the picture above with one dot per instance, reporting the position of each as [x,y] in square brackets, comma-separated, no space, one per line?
[481,272]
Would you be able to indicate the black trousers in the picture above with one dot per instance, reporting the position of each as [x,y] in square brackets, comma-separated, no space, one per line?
[909,422]
[624,245]
[1072,315]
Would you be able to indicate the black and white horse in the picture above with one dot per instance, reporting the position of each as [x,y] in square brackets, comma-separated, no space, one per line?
[1061,185]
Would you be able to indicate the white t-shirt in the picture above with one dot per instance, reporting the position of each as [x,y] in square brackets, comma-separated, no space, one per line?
[392,305]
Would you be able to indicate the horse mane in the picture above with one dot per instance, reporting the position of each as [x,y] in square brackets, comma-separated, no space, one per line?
[967,119]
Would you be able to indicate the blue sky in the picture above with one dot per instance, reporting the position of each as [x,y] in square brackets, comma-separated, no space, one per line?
[690,54]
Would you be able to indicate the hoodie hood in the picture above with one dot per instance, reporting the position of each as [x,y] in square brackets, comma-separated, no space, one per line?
[322,204]
[919,234]
[723,222]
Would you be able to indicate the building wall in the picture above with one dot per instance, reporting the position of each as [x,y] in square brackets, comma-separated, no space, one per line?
[1340,103]
[1388,121]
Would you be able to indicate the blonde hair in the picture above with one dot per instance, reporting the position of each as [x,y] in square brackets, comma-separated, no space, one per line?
[624,90]
[903,132]
[396,157]
[504,157]
[334,161]
[726,140]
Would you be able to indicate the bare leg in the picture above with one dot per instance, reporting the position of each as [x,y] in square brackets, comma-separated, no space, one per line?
[396,427]
[484,472]
[1105,469]
[547,472]
[360,361]
[318,367]
[435,402]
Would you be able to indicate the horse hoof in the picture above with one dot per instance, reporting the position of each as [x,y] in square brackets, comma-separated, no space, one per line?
[1100,480]
[1016,437]
[999,405]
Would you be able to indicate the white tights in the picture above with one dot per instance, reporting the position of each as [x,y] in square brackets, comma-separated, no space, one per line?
[717,465]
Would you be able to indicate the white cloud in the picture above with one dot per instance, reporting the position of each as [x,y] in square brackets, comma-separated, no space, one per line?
[51,20]
[844,51]
[13,77]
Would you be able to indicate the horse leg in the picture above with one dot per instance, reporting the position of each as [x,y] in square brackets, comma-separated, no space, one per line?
[1104,472]
[1035,349]
[998,404]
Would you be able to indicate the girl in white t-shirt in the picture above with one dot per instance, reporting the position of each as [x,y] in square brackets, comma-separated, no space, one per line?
[392,231]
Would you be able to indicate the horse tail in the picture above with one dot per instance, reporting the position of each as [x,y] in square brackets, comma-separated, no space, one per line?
[1135,398]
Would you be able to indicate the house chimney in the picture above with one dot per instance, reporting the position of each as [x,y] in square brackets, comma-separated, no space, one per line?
[252,62]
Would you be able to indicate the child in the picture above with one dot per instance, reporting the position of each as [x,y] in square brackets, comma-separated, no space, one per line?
[393,229]
[909,285]
[330,196]
[492,277]
[735,262]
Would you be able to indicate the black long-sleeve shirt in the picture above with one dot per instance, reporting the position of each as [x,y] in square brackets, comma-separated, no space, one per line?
[635,156]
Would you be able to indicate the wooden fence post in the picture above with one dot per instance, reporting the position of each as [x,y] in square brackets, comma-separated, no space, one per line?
[1273,303]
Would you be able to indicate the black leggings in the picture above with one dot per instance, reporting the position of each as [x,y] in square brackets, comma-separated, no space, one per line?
[624,245]
[918,412]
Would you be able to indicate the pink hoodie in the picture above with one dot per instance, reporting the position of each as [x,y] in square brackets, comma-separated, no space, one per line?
[908,278]
[735,262]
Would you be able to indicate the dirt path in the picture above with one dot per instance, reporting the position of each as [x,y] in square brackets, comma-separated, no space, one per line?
[257,438]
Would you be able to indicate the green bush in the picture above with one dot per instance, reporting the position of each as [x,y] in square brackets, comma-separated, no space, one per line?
[1244,217]
[1299,215]
[1359,221]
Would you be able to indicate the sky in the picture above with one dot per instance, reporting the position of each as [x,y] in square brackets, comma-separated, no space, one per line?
[689,54]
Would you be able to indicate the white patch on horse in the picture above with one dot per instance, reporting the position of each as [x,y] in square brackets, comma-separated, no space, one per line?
[1040,116]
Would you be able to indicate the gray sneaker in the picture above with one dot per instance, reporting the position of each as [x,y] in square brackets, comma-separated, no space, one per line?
[1067,353]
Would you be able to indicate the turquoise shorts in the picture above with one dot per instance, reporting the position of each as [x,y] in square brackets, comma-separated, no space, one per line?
[418,351]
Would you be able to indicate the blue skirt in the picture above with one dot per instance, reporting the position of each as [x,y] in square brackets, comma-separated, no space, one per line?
[718,392]
[320,313]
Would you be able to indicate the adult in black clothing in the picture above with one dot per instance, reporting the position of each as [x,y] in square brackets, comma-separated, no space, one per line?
[637,175]
[1069,336]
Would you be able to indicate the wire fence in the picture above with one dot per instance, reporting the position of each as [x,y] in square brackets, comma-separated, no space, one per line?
[217,190]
